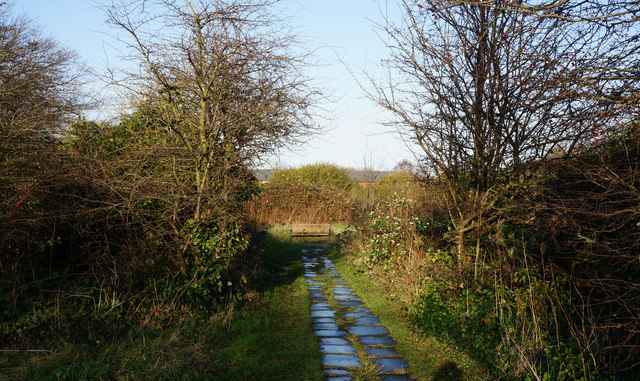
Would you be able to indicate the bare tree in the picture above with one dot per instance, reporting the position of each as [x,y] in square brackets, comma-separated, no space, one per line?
[404,165]
[614,11]
[39,96]
[481,88]
[220,77]
[486,87]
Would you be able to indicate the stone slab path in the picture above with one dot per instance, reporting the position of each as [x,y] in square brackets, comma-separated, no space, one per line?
[350,335]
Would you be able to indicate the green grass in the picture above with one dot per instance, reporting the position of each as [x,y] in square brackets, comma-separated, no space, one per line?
[428,358]
[269,338]
[283,233]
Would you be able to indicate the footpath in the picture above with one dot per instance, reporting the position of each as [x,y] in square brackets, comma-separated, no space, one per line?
[350,334]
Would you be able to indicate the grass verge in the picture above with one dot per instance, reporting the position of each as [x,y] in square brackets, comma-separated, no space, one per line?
[428,358]
[270,338]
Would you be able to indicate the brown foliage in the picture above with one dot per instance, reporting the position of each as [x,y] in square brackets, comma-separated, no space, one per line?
[284,203]
[590,225]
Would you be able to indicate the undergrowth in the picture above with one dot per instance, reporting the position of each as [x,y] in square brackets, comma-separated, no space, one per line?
[534,279]
[267,335]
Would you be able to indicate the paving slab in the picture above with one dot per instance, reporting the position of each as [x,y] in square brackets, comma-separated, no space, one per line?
[377,340]
[336,372]
[385,364]
[368,320]
[324,320]
[369,330]
[321,313]
[380,352]
[357,314]
[320,326]
[333,341]
[330,333]
[336,346]
[346,297]
[343,361]
[349,303]
[338,349]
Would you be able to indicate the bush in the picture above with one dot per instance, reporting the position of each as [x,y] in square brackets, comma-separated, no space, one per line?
[547,287]
[391,233]
[317,174]
[283,203]
[399,182]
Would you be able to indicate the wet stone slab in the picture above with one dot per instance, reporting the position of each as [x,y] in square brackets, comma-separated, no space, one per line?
[330,333]
[343,361]
[323,326]
[336,372]
[369,330]
[345,297]
[321,313]
[338,349]
[349,303]
[339,378]
[349,315]
[369,320]
[380,352]
[336,345]
[333,341]
[390,364]
[377,340]
[324,320]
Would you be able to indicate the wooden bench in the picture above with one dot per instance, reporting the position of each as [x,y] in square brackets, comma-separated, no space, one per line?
[310,230]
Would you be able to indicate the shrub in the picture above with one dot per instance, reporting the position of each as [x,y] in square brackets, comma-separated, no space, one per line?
[283,203]
[399,182]
[317,174]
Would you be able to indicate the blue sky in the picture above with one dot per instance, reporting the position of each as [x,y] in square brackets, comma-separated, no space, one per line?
[336,30]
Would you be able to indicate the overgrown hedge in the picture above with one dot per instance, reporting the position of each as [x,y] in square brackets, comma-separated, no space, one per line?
[547,287]
[317,174]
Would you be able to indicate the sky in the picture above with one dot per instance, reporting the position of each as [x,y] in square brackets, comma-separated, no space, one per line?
[342,37]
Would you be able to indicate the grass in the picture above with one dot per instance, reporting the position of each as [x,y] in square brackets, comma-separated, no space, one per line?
[270,338]
[428,358]
[283,233]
